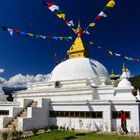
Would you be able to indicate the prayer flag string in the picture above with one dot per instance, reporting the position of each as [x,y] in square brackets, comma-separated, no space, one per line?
[101,15]
[17,31]
[55,9]
[110,52]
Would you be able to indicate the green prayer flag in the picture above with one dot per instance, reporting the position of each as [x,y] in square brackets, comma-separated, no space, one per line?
[106,8]
[58,12]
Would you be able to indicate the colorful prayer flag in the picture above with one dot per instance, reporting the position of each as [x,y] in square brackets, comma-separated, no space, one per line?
[30,34]
[111,4]
[17,31]
[52,6]
[61,16]
[87,32]
[106,8]
[101,15]
[69,23]
[56,38]
[92,24]
[114,54]
[10,31]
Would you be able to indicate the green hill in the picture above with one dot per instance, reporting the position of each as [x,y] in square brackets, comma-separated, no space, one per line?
[135,81]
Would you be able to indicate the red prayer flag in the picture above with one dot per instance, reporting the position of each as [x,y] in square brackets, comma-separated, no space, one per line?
[80,32]
[50,4]
[49,37]
[17,31]
[98,17]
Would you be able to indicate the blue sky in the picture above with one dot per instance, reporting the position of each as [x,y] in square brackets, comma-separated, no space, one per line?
[119,32]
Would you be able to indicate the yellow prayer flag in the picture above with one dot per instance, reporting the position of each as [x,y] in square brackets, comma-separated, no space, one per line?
[91,43]
[92,24]
[60,38]
[61,16]
[111,4]
[30,34]
[111,53]
[74,30]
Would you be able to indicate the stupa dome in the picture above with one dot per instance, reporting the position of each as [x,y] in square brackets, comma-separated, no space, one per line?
[79,68]
[124,83]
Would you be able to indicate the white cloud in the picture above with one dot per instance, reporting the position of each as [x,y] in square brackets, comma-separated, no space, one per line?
[20,80]
[1,70]
[129,74]
[40,77]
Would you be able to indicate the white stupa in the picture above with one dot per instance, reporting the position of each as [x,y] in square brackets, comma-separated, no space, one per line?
[124,89]
[138,95]
[79,94]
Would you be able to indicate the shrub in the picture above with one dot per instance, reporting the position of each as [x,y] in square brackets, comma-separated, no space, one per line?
[34,131]
[72,129]
[19,134]
[64,128]
[67,129]
[5,135]
[53,127]
[61,127]
[45,129]
[14,134]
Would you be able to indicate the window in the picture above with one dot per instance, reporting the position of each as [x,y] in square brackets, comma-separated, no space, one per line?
[82,114]
[66,114]
[71,114]
[99,115]
[4,112]
[88,115]
[117,114]
[77,114]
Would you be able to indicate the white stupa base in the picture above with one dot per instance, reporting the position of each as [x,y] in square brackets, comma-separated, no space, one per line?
[118,98]
[3,97]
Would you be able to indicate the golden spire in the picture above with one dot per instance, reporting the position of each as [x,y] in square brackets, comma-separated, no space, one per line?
[124,68]
[112,74]
[78,49]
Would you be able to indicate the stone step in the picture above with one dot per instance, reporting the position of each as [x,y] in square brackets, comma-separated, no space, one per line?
[34,104]
[11,126]
[23,115]
[14,123]
[25,110]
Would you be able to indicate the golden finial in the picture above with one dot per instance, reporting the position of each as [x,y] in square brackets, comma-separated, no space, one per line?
[112,74]
[79,25]
[79,29]
[124,68]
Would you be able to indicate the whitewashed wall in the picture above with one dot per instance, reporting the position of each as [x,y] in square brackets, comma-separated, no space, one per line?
[103,124]
[133,124]
[36,117]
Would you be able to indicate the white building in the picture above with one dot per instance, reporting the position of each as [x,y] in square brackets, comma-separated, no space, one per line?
[79,95]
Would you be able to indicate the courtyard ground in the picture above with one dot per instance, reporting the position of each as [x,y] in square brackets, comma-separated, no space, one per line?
[67,135]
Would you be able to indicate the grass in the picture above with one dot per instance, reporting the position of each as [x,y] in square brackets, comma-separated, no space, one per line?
[66,135]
